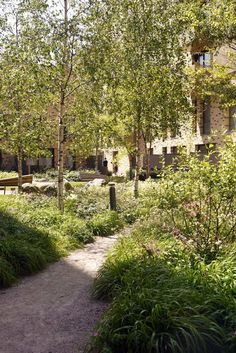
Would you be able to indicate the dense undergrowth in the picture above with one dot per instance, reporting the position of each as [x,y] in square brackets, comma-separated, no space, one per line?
[165,299]
[33,233]
[173,281]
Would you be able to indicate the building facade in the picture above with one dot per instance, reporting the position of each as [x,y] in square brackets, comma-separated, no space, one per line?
[209,126]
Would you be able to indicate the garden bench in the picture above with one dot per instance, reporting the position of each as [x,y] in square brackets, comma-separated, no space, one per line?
[91,176]
[13,182]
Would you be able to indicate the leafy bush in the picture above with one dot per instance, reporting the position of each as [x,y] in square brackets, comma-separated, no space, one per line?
[73,175]
[88,202]
[200,205]
[77,229]
[105,224]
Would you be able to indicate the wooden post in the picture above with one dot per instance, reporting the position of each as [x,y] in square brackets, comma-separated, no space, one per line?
[112,193]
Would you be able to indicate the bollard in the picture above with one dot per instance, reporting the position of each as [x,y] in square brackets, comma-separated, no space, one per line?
[112,192]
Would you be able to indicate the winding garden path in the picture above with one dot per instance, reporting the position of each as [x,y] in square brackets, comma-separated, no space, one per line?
[53,312]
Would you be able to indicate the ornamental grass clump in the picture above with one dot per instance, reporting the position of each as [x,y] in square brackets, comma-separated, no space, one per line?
[105,224]
[165,300]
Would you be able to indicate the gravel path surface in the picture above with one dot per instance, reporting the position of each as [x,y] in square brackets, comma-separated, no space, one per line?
[52,312]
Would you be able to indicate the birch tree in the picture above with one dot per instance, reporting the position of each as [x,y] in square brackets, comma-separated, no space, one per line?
[142,62]
[67,21]
[24,121]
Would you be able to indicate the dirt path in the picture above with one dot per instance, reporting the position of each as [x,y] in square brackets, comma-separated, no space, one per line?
[52,312]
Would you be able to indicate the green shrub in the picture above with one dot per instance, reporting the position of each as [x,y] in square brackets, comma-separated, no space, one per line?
[105,224]
[200,205]
[77,230]
[115,179]
[73,175]
[87,202]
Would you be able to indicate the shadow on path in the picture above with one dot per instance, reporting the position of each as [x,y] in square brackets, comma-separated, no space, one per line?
[52,311]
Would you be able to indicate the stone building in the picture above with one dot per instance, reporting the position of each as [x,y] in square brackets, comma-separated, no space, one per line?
[209,126]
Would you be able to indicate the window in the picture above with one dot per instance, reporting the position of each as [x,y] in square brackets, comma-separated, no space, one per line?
[200,148]
[205,122]
[173,149]
[232,118]
[203,59]
[205,148]
[164,150]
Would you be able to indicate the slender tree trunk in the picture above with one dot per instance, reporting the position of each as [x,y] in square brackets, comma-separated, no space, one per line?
[20,169]
[96,155]
[137,172]
[138,156]
[131,167]
[60,189]
[148,164]
[149,160]
[61,123]
[146,155]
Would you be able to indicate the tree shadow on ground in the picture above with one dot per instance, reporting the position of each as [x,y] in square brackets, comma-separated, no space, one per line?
[23,249]
[51,311]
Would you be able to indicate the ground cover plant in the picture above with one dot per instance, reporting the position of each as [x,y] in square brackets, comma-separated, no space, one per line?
[165,300]
[172,282]
[34,233]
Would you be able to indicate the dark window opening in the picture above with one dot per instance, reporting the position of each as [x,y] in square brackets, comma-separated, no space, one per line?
[205,148]
[206,118]
[203,59]
[175,132]
[164,150]
[232,118]
[173,149]
[194,121]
